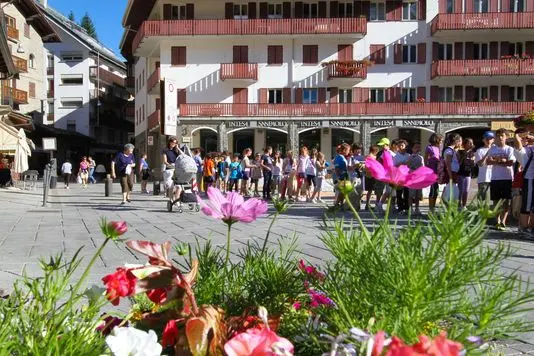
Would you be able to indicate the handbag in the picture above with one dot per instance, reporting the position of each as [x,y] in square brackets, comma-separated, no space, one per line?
[79,179]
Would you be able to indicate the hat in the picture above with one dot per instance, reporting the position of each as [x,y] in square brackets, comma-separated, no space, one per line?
[383,142]
[489,135]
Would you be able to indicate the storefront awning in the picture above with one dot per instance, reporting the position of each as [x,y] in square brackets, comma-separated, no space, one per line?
[9,139]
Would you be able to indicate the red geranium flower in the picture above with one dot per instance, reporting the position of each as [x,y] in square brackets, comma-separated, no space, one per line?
[158,296]
[170,334]
[119,284]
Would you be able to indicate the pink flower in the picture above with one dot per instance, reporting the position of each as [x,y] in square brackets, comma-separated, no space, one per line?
[119,227]
[170,334]
[399,176]
[319,299]
[119,284]
[232,208]
[297,305]
[255,342]
[378,345]
[311,271]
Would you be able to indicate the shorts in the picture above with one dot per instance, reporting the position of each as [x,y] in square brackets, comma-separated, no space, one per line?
[416,194]
[167,178]
[84,174]
[434,191]
[276,180]
[244,175]
[500,190]
[145,174]
[126,183]
[311,180]
[527,196]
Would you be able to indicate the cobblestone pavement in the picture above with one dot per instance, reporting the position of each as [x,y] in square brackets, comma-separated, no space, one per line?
[28,231]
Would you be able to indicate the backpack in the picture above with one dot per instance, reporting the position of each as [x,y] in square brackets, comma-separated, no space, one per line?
[443,174]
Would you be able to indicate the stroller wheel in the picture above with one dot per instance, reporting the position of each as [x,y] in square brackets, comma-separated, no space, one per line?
[169,206]
[197,208]
[180,210]
[191,207]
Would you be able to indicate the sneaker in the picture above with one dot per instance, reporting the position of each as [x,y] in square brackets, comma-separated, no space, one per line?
[321,201]
[314,201]
[67,187]
[501,227]
[123,203]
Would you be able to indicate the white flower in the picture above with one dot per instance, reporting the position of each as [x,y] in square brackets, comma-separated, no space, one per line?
[133,342]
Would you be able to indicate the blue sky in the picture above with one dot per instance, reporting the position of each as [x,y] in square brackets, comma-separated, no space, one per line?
[106,15]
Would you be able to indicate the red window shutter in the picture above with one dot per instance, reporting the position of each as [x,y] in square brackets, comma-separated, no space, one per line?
[306,54]
[321,96]
[275,55]
[421,10]
[458,93]
[183,56]
[458,50]
[421,53]
[271,54]
[229,10]
[505,6]
[158,104]
[435,51]
[391,95]
[530,6]
[494,7]
[263,96]
[264,10]
[286,95]
[298,96]
[469,93]
[315,54]
[391,7]
[434,93]
[505,93]
[360,95]
[189,11]
[421,93]
[366,9]
[182,95]
[322,9]
[167,11]
[178,56]
[377,53]
[469,50]
[457,6]
[494,93]
[334,9]
[494,50]
[279,54]
[468,7]
[286,10]
[529,48]
[174,56]
[299,9]
[442,6]
[252,11]
[345,52]
[397,49]
[505,48]
[398,11]
[529,93]
[310,54]
[334,95]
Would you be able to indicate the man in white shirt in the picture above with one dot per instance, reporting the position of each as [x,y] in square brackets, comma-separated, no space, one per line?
[501,157]
[484,171]
[524,153]
[66,171]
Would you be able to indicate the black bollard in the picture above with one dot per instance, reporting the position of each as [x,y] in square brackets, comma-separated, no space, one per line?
[108,186]
[157,187]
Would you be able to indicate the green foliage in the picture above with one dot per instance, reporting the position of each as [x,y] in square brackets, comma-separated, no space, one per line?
[88,25]
[71,16]
[424,278]
[47,316]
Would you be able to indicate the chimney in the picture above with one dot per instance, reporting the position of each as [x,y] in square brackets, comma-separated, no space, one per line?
[45,3]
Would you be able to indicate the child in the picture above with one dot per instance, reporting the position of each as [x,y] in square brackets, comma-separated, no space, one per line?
[221,174]
[209,172]
[288,166]
[234,174]
[277,171]
[256,175]
[415,161]
[370,181]
[320,165]
[341,170]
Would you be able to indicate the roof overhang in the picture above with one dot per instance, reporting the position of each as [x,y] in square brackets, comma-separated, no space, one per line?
[36,18]
[7,66]
[136,12]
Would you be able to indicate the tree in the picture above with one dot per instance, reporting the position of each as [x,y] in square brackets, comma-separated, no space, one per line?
[88,25]
[71,16]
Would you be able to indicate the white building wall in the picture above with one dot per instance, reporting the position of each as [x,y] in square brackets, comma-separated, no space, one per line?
[141,98]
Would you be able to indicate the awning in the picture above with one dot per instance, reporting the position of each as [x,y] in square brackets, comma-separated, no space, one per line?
[9,139]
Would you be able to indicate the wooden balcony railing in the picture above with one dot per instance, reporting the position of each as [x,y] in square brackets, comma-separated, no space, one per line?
[348,69]
[12,33]
[355,109]
[21,64]
[106,76]
[153,80]
[19,96]
[483,21]
[239,71]
[153,120]
[221,27]
[485,67]
[50,93]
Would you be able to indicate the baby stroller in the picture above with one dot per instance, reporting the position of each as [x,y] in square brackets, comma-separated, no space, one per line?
[184,179]
[187,196]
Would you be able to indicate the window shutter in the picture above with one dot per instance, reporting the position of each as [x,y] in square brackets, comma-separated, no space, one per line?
[167,11]
[279,54]
[321,96]
[529,93]
[468,9]
[435,51]
[397,49]
[298,9]
[271,54]
[263,96]
[366,9]
[345,52]
[189,11]
[322,9]
[469,93]
[174,56]
[390,10]
[393,95]
[229,10]
[334,9]
[315,54]
[494,93]
[494,7]
[442,6]
[286,95]
[377,53]
[183,56]
[421,10]
[286,10]
[334,92]
[252,10]
[458,50]
[298,96]
[505,6]
[494,50]
[457,6]
[31,90]
[458,93]
[530,6]
[305,55]
[236,54]
[264,10]
[529,48]
[469,50]
[505,48]
[182,94]
[505,93]
[421,53]
[421,93]
[360,95]
[434,93]
[398,11]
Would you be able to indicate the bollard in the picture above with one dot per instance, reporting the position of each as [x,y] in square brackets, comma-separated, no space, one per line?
[53,173]
[46,184]
[157,187]
[108,186]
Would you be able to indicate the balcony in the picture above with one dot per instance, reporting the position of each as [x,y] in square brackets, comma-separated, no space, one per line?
[12,33]
[21,64]
[152,83]
[484,67]
[239,71]
[50,93]
[19,96]
[355,109]
[267,27]
[153,120]
[346,70]
[483,21]
[106,76]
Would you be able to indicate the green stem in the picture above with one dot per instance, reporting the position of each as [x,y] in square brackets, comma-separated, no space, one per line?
[353,209]
[268,232]
[227,259]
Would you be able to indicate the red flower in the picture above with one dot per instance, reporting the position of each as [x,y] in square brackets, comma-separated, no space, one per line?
[311,271]
[158,296]
[170,334]
[378,345]
[118,227]
[444,347]
[119,284]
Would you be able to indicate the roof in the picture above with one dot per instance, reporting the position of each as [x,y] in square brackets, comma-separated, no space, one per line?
[79,33]
[35,17]
[136,12]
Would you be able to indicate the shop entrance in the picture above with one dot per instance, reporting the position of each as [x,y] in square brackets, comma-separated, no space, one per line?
[208,141]
[340,136]
[474,133]
[277,140]
[241,140]
[310,139]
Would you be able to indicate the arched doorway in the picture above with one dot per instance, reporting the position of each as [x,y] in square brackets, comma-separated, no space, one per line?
[276,139]
[340,136]
[242,139]
[474,133]
[377,135]
[310,138]
[208,141]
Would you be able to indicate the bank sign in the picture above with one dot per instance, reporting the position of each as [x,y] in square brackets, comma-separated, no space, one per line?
[170,112]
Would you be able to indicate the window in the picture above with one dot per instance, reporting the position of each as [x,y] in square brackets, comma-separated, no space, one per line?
[178,12]
[346,9]
[409,53]
[514,48]
[143,113]
[26,30]
[51,109]
[310,54]
[143,78]
[71,103]
[275,96]
[481,51]
[50,61]
[178,56]
[31,90]
[50,85]
[408,95]
[31,61]
[11,21]
[445,51]
[480,5]
[517,94]
[377,96]
[345,96]
[310,10]
[71,79]
[517,5]
[71,125]
[275,55]
[481,94]
[310,96]
[377,11]
[446,94]
[241,11]
[450,7]
[409,11]
[274,11]
[72,57]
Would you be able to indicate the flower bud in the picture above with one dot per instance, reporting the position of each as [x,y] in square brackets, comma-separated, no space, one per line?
[118,227]
[345,187]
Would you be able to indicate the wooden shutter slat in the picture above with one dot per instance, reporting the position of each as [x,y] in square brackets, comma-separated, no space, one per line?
[321,95]
[494,50]
[494,5]
[435,51]
[458,93]
[334,92]
[421,10]
[286,95]
[286,10]
[167,11]
[505,6]
[334,9]
[263,96]
[421,53]
[397,49]
[457,6]
[360,95]
[468,9]
[458,50]
[505,93]
[434,93]
[298,95]
[252,12]
[322,9]
[279,54]
[190,11]
[264,10]
[229,10]
[442,9]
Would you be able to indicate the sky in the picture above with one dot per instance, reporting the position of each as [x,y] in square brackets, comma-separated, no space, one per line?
[106,15]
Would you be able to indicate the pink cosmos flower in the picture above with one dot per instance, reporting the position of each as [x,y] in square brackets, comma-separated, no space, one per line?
[400,176]
[118,227]
[256,342]
[232,208]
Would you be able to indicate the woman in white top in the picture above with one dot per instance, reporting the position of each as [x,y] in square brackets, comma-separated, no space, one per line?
[66,170]
[450,155]
[302,166]
[311,175]
[278,164]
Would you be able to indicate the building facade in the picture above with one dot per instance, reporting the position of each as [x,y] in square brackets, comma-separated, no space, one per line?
[318,73]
